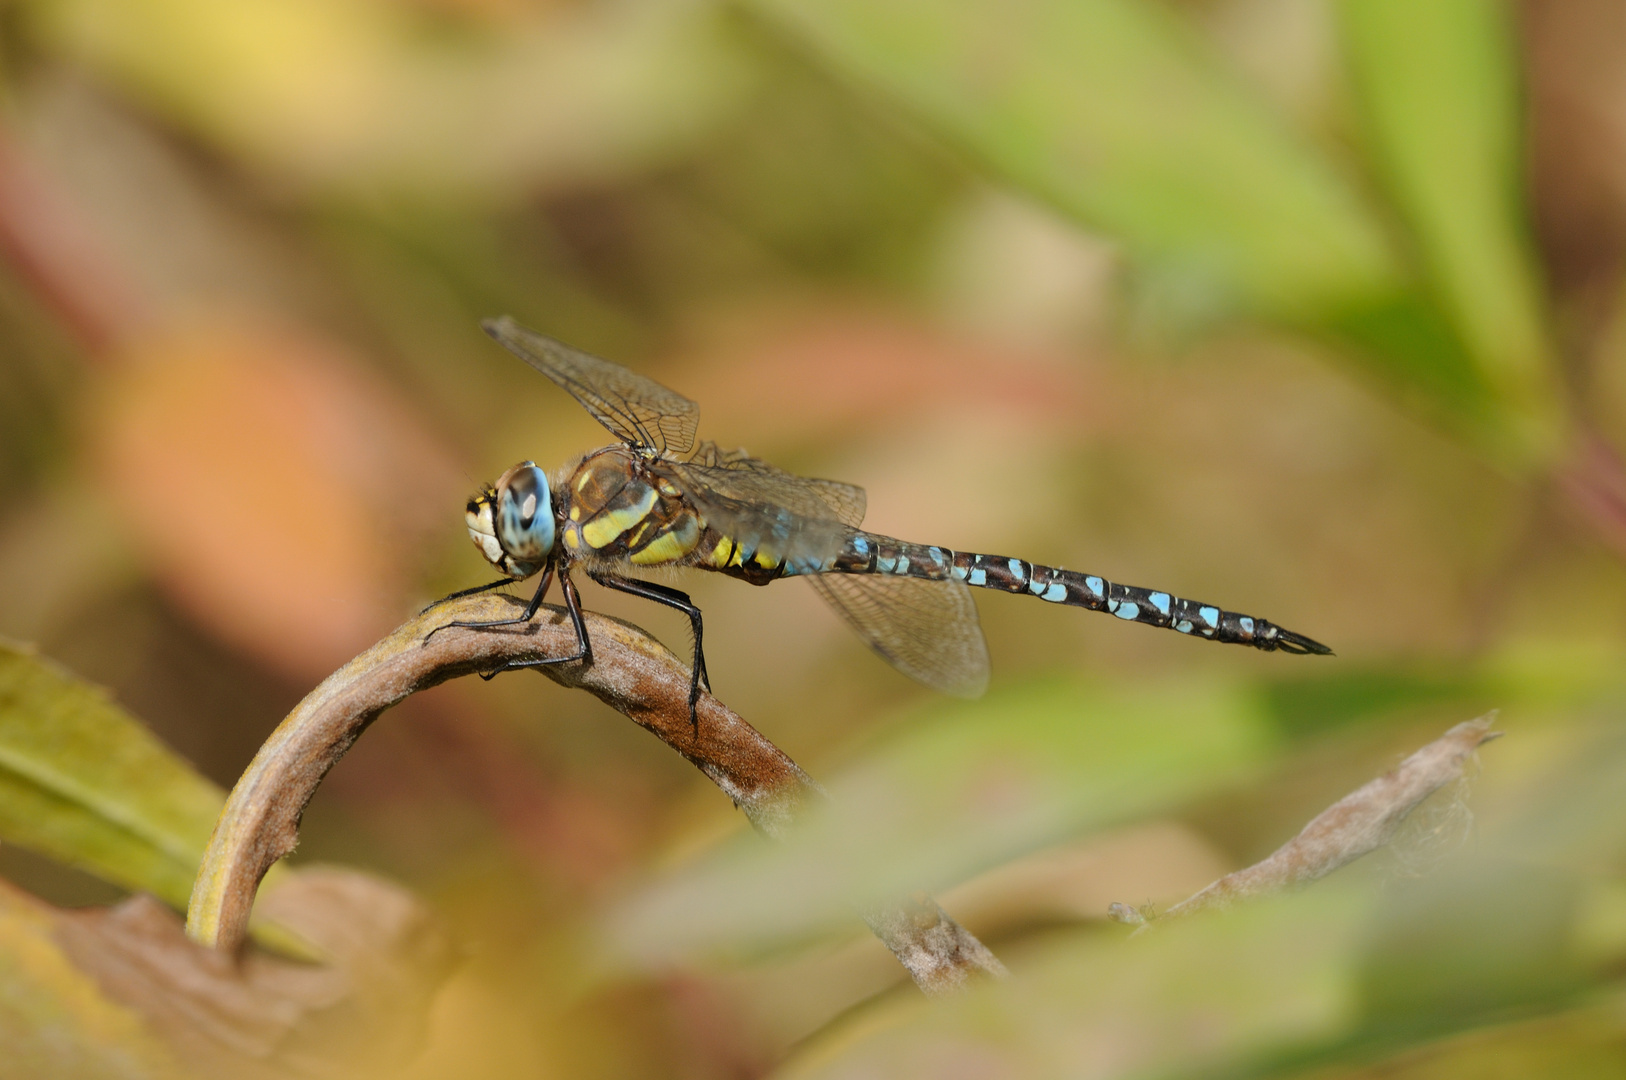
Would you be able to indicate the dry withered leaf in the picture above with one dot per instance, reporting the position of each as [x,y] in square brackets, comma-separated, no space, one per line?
[151,1003]
[1356,825]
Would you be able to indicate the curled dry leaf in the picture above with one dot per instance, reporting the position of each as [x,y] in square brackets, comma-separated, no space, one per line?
[122,992]
[1356,825]
[631,672]
[54,1020]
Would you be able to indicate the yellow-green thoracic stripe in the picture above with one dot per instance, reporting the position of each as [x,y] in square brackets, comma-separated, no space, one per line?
[602,529]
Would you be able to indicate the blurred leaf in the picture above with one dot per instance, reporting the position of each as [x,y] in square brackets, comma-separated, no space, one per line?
[1111,112]
[1600,932]
[1115,114]
[1578,1044]
[1306,707]
[122,992]
[277,487]
[965,788]
[1528,677]
[1157,863]
[851,202]
[1192,998]
[1439,87]
[1430,964]
[1572,816]
[1317,983]
[360,95]
[85,783]
[1409,347]
[54,1020]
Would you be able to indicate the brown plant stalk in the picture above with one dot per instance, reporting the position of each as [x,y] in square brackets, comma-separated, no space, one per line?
[1356,825]
[631,672]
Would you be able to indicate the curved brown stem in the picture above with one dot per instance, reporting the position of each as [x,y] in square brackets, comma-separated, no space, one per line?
[631,672]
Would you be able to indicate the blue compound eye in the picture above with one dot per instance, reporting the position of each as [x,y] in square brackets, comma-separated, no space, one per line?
[524,514]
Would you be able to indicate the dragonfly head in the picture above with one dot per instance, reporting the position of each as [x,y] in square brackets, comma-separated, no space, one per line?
[512,523]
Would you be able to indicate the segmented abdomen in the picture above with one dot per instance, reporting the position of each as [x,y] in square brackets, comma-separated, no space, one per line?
[869,553]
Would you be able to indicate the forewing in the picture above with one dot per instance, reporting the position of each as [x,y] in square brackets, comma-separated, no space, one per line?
[638,410]
[847,500]
[758,479]
[926,629]
[761,505]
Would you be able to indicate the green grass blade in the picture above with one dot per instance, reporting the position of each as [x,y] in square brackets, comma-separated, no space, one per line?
[85,783]
[1438,88]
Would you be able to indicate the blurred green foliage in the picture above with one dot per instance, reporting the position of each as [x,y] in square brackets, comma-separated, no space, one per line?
[1311,308]
[1109,111]
[83,782]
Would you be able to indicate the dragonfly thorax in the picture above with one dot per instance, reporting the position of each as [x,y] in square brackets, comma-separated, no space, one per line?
[615,507]
[512,523]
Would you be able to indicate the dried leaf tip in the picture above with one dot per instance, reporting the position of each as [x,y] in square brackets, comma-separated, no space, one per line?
[1128,916]
[1359,823]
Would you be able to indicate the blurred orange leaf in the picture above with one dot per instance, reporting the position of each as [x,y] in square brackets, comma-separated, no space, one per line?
[275,488]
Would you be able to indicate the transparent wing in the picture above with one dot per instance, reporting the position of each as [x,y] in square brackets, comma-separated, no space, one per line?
[847,500]
[926,629]
[763,506]
[639,411]
[753,479]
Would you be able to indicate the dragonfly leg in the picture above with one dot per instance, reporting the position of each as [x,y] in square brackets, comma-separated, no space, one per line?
[573,607]
[672,598]
[525,617]
[461,593]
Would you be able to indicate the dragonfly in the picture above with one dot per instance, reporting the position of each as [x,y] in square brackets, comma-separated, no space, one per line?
[660,499]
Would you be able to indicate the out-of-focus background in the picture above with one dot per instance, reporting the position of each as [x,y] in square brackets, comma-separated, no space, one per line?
[1308,309]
